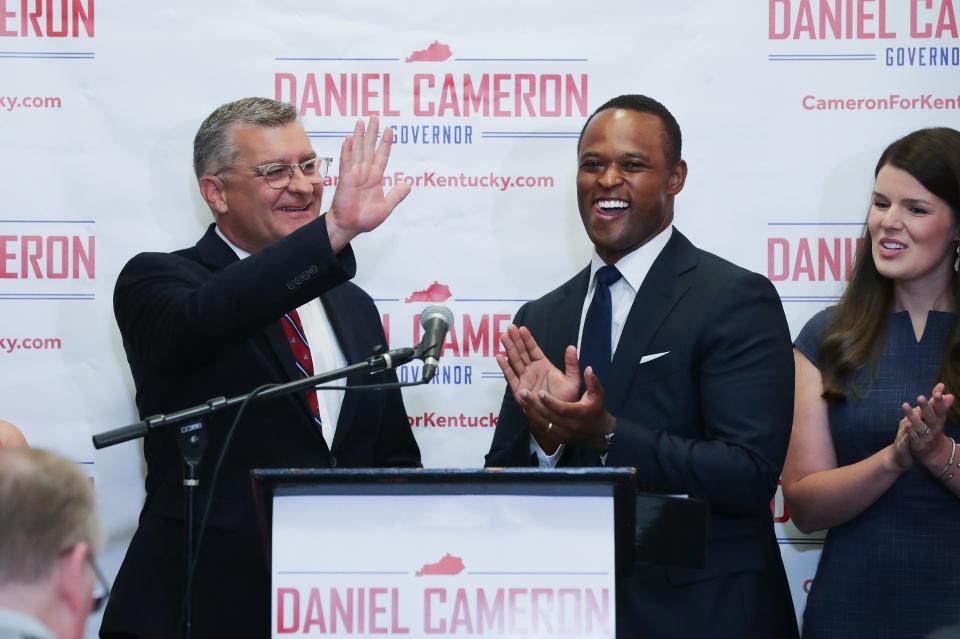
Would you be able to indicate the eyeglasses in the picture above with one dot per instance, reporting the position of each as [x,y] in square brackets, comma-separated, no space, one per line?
[103,585]
[104,594]
[279,174]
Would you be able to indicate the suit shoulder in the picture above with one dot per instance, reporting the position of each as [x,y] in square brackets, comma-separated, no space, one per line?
[544,307]
[720,274]
[151,262]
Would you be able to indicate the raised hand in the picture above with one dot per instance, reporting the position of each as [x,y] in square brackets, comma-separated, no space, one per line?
[359,203]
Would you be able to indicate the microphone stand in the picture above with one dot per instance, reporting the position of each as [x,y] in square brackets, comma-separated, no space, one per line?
[374,364]
[192,439]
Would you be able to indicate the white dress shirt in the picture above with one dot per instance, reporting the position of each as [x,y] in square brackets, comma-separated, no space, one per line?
[325,352]
[634,268]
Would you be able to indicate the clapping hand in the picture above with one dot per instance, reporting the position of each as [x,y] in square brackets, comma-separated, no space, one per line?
[924,424]
[548,396]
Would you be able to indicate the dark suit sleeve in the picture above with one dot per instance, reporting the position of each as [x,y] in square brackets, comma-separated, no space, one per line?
[511,439]
[169,305]
[745,396]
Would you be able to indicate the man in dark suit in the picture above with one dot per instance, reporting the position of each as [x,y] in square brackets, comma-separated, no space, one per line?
[683,371]
[262,298]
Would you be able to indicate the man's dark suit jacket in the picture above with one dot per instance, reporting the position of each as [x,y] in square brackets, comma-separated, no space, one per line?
[198,324]
[710,418]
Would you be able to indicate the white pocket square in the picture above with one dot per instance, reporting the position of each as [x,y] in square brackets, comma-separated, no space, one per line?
[650,358]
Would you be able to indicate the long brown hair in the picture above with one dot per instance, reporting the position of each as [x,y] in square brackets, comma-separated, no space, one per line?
[855,333]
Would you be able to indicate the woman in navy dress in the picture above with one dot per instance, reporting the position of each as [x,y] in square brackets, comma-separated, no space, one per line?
[873,454]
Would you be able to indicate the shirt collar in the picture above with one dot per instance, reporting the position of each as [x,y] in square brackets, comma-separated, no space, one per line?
[236,249]
[635,265]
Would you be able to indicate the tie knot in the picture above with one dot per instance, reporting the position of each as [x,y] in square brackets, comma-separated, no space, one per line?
[607,275]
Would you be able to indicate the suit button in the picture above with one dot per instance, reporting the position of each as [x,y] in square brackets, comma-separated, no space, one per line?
[333,460]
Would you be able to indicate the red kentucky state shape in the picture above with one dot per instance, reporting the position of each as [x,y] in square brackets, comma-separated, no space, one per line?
[436,52]
[448,565]
[436,292]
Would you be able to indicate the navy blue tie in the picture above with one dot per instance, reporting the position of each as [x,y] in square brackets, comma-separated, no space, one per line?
[597,331]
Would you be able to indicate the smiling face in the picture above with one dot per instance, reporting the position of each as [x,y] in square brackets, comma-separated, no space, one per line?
[625,183]
[912,231]
[250,213]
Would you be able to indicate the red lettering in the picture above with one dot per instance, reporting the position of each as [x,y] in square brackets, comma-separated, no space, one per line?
[376,610]
[477,339]
[479,99]
[574,624]
[499,319]
[546,92]
[369,93]
[947,20]
[314,616]
[449,103]
[541,612]
[804,263]
[524,97]
[489,615]
[54,32]
[418,109]
[428,625]
[461,613]
[451,343]
[53,271]
[84,256]
[517,612]
[387,111]
[7,255]
[773,32]
[598,611]
[282,595]
[395,627]
[828,259]
[927,29]
[500,94]
[781,243]
[341,611]
[31,256]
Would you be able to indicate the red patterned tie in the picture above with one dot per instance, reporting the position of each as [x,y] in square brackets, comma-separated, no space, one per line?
[301,354]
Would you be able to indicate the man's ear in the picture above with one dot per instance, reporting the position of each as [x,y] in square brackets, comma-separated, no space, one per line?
[678,176]
[73,588]
[214,192]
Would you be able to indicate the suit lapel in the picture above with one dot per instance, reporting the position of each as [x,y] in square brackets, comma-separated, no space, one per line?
[660,291]
[216,254]
[561,331]
[564,323]
[335,306]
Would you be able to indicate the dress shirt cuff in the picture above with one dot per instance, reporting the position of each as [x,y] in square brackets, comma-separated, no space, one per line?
[545,460]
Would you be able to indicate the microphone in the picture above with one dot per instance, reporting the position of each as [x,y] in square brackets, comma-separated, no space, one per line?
[435,321]
[384,360]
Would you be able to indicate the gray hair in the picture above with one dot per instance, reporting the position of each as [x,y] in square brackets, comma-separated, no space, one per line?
[213,148]
[47,506]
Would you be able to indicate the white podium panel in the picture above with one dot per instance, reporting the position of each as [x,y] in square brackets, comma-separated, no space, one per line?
[485,565]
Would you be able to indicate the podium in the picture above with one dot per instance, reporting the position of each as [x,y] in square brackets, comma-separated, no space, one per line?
[490,553]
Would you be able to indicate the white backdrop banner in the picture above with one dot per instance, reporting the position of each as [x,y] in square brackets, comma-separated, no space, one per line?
[785,106]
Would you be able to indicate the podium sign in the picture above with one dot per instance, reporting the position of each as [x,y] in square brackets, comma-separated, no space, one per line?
[486,560]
